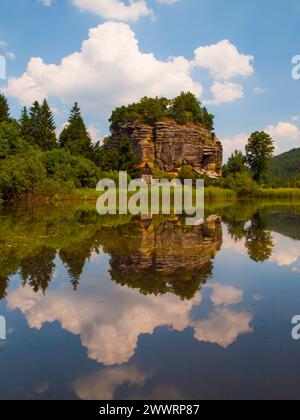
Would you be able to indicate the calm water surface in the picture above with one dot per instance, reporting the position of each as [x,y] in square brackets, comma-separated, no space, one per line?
[121,308]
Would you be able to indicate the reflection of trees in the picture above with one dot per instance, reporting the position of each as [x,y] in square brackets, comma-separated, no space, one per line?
[3,287]
[31,237]
[75,258]
[156,257]
[236,229]
[169,258]
[38,270]
[259,241]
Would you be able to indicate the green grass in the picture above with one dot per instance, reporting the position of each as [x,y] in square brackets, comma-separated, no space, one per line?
[216,193]
[211,194]
[280,194]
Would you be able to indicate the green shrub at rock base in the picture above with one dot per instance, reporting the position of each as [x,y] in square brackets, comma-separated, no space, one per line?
[242,185]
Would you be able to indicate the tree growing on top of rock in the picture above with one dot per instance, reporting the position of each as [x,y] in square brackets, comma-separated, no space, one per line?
[183,109]
[186,108]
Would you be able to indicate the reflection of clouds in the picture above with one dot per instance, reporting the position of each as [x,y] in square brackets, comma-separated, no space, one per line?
[110,319]
[103,385]
[223,327]
[225,295]
[232,245]
[108,329]
[96,257]
[42,388]
[286,251]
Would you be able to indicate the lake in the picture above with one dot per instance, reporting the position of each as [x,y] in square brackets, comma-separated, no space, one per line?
[123,308]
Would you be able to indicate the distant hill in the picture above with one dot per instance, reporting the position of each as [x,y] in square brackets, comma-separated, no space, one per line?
[286,165]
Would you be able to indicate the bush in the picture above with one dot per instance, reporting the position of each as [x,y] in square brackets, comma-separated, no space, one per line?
[50,188]
[159,174]
[242,185]
[113,175]
[187,172]
[10,141]
[21,176]
[62,166]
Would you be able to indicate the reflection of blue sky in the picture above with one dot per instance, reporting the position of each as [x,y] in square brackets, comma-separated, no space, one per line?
[243,305]
[110,319]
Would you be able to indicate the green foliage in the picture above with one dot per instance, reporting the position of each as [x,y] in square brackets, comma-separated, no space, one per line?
[236,164]
[187,172]
[113,175]
[259,241]
[285,169]
[20,175]
[47,121]
[75,137]
[30,162]
[183,109]
[159,174]
[4,109]
[122,159]
[11,142]
[148,110]
[259,154]
[242,184]
[64,167]
[39,127]
[25,126]
[186,108]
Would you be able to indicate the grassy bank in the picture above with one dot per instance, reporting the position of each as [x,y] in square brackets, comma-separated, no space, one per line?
[211,194]
[280,194]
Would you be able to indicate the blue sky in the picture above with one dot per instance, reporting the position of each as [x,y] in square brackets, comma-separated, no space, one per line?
[243,73]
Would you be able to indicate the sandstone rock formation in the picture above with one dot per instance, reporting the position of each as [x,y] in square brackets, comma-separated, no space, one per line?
[169,146]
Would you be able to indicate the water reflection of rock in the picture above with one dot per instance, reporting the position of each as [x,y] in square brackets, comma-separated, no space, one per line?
[169,257]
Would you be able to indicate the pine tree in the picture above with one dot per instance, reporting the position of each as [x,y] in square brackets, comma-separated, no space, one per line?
[25,126]
[42,126]
[4,109]
[35,123]
[49,141]
[75,137]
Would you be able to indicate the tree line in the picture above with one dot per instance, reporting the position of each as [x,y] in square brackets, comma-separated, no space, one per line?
[35,161]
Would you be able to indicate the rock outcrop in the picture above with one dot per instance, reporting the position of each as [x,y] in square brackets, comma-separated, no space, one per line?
[169,146]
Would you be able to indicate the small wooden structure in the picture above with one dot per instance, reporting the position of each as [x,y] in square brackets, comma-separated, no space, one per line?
[147,174]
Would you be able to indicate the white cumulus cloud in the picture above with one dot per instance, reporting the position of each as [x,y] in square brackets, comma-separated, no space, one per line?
[224,61]
[109,70]
[118,9]
[224,92]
